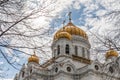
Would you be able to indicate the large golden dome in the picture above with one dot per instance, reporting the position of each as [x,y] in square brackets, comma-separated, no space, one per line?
[33,58]
[63,35]
[111,53]
[72,30]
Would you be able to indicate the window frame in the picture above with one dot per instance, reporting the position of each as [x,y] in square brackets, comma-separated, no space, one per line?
[67,49]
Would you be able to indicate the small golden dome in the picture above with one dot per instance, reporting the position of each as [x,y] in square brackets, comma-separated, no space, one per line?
[62,35]
[72,30]
[111,52]
[33,58]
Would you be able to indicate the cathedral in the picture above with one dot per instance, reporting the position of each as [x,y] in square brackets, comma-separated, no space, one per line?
[71,60]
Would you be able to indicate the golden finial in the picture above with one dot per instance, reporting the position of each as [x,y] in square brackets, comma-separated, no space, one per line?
[63,23]
[34,51]
[69,16]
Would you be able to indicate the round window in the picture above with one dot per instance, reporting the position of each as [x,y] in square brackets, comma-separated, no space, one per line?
[68,69]
[96,67]
[56,69]
[111,69]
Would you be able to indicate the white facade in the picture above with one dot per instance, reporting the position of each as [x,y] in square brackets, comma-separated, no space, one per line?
[73,64]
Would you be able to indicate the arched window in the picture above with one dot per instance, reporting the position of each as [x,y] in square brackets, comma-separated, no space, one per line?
[76,50]
[111,69]
[58,49]
[88,54]
[30,70]
[56,69]
[83,52]
[23,74]
[67,49]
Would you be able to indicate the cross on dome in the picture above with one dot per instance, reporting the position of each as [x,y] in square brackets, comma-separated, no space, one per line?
[70,16]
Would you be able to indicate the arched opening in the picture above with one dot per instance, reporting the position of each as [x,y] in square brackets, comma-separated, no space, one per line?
[96,67]
[58,49]
[67,49]
[56,69]
[111,69]
[83,52]
[76,50]
[23,73]
[30,70]
[88,54]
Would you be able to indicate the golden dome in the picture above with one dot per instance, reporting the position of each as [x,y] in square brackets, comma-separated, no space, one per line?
[62,35]
[72,30]
[33,58]
[111,52]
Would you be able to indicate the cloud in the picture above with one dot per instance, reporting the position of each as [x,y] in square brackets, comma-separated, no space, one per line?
[7,79]
[1,62]
[101,13]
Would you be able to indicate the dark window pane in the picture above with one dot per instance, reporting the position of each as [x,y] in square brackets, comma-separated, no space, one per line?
[76,50]
[58,49]
[67,49]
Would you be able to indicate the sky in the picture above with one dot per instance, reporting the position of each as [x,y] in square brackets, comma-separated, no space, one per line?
[86,14]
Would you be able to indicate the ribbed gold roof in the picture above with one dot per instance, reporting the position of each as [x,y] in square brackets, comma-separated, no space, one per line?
[33,58]
[63,35]
[111,53]
[72,30]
